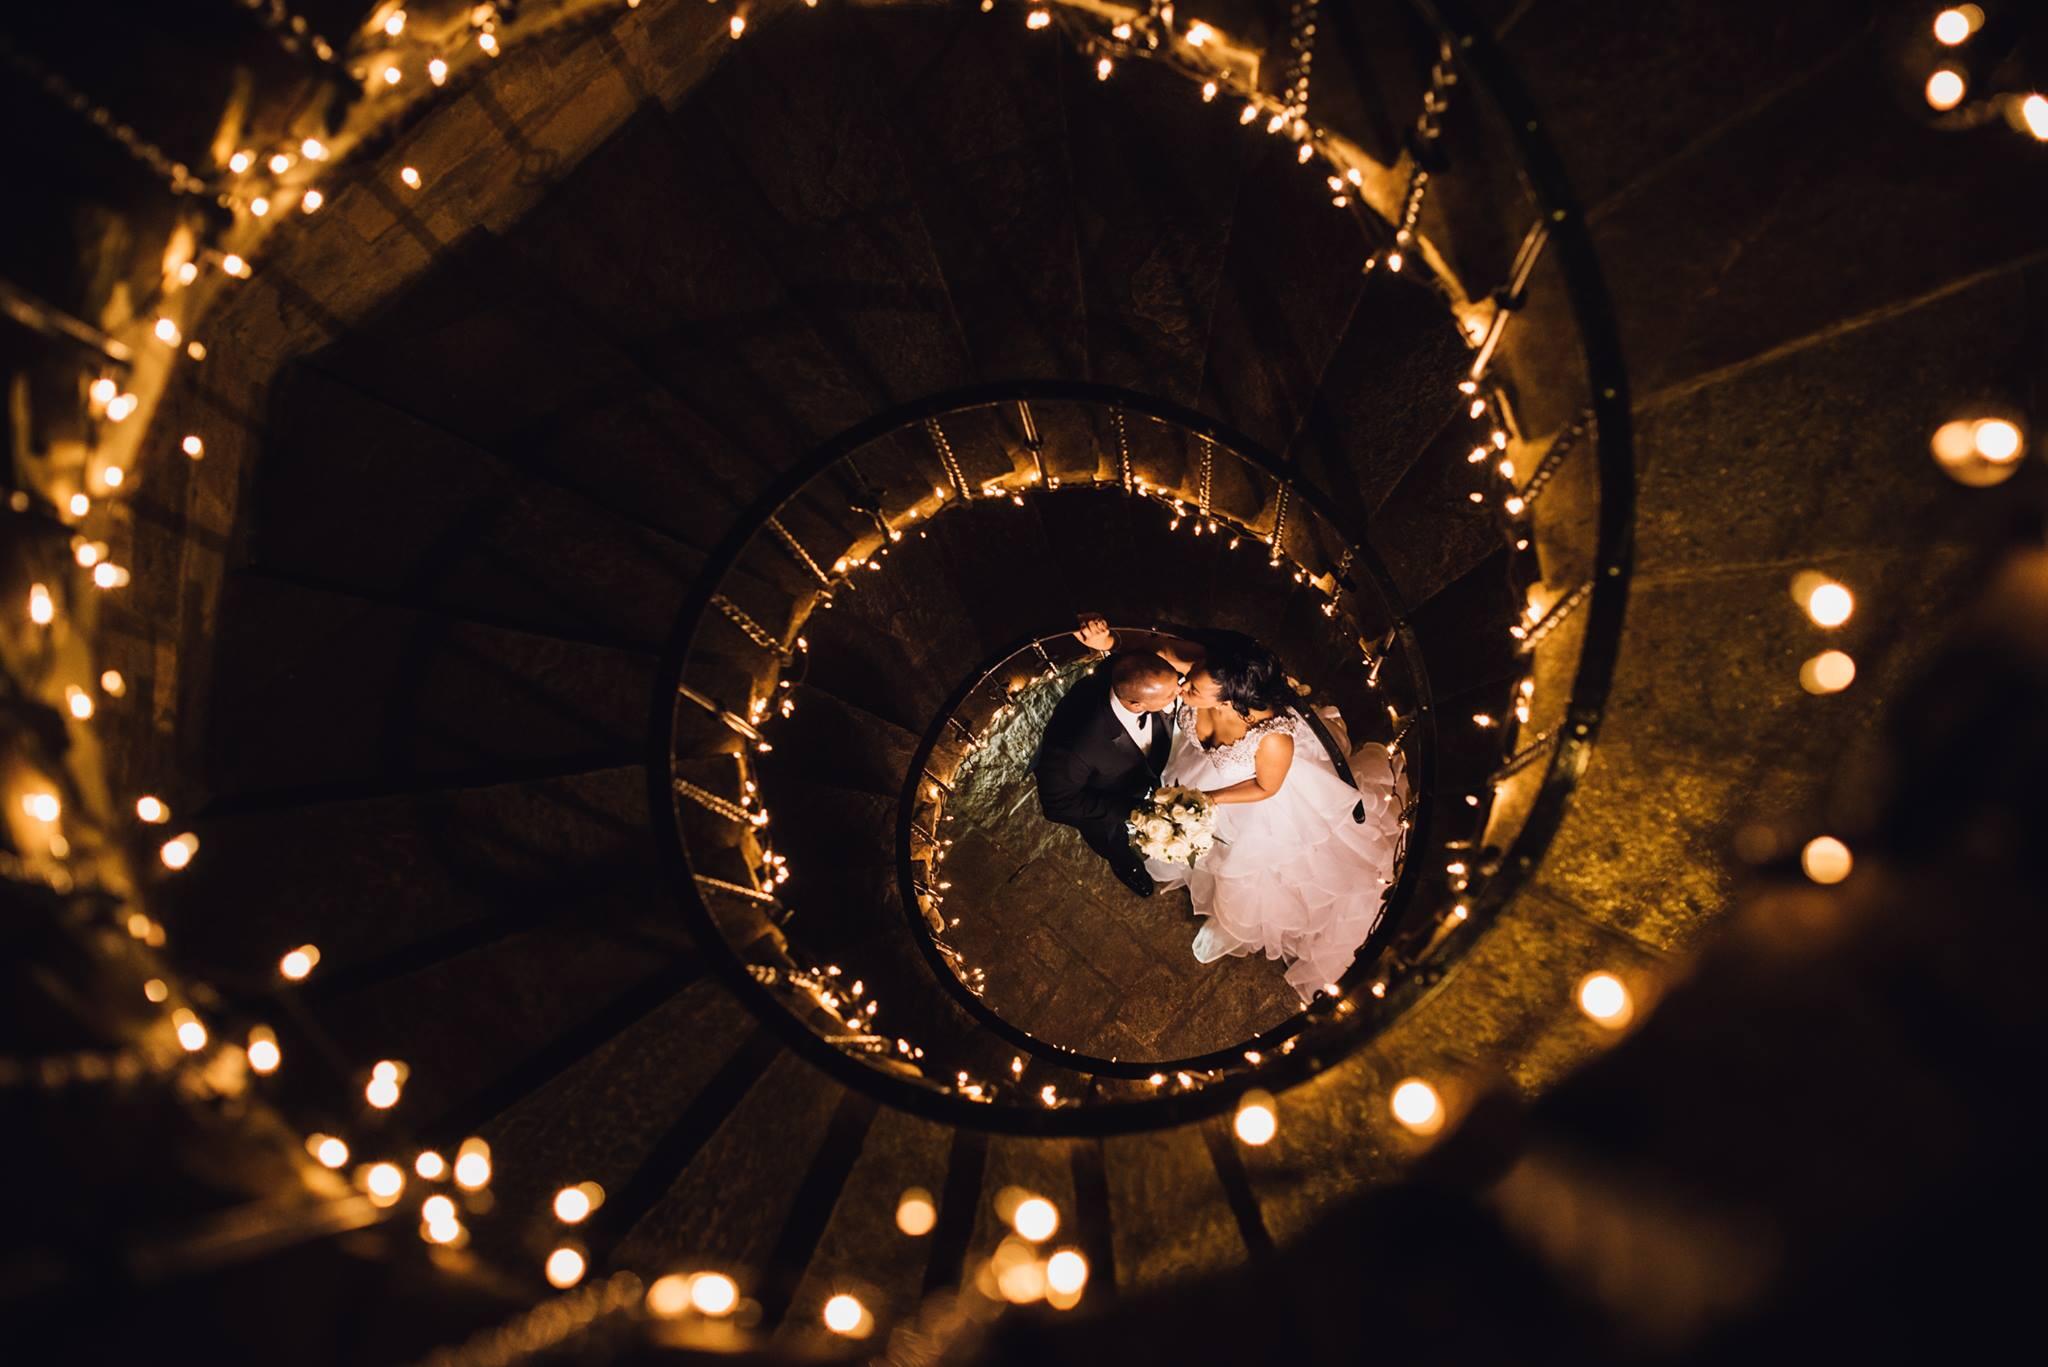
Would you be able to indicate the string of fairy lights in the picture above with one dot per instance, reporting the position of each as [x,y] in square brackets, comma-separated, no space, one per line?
[70,851]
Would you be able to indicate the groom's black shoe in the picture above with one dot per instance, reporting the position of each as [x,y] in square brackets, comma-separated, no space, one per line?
[1134,877]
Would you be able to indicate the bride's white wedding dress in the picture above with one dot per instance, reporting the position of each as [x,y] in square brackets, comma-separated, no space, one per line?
[1298,878]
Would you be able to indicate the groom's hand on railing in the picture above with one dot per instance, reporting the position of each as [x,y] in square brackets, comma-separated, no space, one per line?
[1094,632]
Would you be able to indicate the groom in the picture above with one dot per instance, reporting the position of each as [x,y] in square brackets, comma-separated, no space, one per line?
[1103,750]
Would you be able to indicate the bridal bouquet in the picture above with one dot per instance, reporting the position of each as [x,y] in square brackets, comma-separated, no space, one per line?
[1177,825]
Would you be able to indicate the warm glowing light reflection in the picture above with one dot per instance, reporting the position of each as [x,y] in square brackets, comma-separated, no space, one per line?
[1035,1219]
[2034,114]
[1257,1122]
[330,1152]
[846,1315]
[177,852]
[714,1293]
[384,1181]
[1831,671]
[1826,859]
[297,963]
[1945,89]
[1828,603]
[1995,439]
[430,1166]
[669,1296]
[473,1165]
[574,1204]
[191,1034]
[1605,998]
[565,1268]
[1416,1105]
[264,1055]
[1066,1272]
[915,1213]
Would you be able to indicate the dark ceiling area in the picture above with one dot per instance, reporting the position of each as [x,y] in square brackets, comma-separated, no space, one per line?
[542,537]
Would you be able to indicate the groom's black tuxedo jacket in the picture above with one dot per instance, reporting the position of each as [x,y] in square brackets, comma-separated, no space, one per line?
[1089,770]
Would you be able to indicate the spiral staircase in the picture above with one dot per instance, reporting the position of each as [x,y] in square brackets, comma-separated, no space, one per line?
[522,489]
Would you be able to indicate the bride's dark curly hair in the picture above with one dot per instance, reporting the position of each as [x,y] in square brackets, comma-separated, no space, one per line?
[1249,677]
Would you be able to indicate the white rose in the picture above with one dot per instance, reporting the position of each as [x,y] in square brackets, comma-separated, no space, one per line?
[1176,850]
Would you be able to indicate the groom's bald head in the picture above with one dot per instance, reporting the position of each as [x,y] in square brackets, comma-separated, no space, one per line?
[1142,681]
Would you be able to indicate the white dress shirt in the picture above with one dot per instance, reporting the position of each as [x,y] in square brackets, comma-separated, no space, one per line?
[1135,724]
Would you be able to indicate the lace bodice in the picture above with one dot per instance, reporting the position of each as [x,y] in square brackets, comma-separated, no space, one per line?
[1245,747]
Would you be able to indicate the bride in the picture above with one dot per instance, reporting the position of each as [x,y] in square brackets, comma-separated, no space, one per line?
[1294,874]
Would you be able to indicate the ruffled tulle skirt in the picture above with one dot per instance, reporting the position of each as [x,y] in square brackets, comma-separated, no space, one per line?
[1294,877]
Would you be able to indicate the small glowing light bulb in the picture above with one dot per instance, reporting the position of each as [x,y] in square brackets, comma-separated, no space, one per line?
[384,1182]
[669,1296]
[79,701]
[2034,113]
[488,41]
[259,206]
[395,25]
[1416,1105]
[166,331]
[313,150]
[1830,604]
[112,684]
[280,163]
[565,1267]
[43,807]
[1035,1219]
[297,963]
[1257,1122]
[1995,439]
[1945,89]
[844,1314]
[1951,26]
[41,610]
[241,161]
[574,1204]
[193,445]
[1825,859]
[1199,33]
[235,266]
[437,71]
[1103,67]
[118,409]
[915,1213]
[191,1034]
[1037,19]
[714,1293]
[312,201]
[473,1165]
[329,1151]
[177,852]
[1831,671]
[411,176]
[392,75]
[737,25]
[1209,89]
[437,1210]
[1604,998]
[431,1167]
